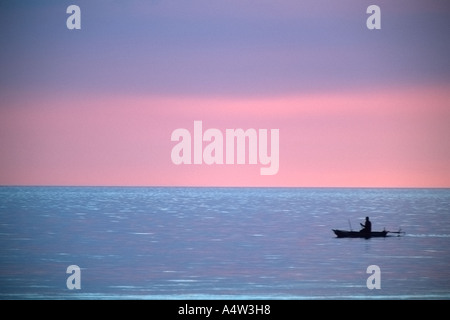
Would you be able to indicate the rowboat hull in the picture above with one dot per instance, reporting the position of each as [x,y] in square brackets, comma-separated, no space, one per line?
[359,234]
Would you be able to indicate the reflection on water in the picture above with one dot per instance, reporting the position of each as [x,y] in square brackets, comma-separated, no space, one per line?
[244,243]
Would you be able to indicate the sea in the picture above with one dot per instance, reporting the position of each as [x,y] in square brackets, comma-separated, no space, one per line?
[176,243]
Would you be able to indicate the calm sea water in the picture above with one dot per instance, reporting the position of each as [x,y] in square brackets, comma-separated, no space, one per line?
[222,243]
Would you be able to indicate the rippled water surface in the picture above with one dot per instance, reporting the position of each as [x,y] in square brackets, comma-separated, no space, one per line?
[220,243]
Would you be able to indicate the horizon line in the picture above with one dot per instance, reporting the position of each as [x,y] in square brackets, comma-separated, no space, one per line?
[218,187]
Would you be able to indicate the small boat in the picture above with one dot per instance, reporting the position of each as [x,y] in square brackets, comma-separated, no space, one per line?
[360,234]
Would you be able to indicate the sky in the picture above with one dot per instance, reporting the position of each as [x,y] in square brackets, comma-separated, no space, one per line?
[98,105]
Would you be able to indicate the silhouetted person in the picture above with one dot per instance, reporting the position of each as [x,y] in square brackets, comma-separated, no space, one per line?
[367,226]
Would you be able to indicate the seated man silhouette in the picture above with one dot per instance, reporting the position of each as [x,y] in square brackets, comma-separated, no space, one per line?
[367,226]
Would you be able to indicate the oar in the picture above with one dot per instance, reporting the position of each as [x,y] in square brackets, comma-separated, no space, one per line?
[399,231]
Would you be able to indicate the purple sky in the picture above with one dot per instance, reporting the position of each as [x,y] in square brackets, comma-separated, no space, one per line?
[222,47]
[137,70]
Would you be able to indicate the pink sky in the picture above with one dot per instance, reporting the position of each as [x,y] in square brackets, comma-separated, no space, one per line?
[395,137]
[97,106]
